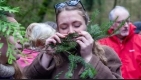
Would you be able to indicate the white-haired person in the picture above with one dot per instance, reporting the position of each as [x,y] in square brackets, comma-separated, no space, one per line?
[126,43]
[37,33]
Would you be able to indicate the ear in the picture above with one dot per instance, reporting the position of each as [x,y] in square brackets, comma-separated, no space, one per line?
[112,26]
[110,31]
[12,19]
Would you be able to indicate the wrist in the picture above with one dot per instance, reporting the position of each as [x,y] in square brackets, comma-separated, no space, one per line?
[47,56]
[88,58]
[45,60]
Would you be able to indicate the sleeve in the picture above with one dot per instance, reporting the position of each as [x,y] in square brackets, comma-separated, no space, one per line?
[109,71]
[138,50]
[6,71]
[36,71]
[138,59]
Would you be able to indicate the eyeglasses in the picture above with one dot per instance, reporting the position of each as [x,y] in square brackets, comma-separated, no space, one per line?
[126,21]
[69,3]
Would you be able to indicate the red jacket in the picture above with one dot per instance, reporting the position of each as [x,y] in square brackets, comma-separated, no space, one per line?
[129,51]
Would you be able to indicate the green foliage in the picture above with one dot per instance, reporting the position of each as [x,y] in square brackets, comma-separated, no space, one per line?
[1,44]
[10,53]
[97,32]
[43,9]
[56,77]
[10,29]
[11,10]
[69,45]
[88,72]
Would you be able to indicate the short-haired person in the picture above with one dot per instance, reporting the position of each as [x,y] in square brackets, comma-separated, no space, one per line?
[126,43]
[36,33]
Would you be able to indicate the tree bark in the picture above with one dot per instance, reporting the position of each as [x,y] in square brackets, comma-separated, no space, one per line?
[115,3]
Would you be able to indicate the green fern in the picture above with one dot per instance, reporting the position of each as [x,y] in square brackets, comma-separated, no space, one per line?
[100,31]
[69,45]
[57,76]
[10,29]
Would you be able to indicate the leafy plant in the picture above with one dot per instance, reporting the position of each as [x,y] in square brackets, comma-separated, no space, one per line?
[68,46]
[10,29]
[98,32]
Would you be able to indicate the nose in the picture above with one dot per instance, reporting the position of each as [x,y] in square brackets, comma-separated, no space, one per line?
[71,30]
[126,24]
[17,56]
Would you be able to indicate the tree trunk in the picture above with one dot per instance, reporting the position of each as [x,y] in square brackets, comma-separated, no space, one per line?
[43,9]
[115,3]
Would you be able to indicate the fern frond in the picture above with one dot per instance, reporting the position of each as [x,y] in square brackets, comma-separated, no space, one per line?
[10,29]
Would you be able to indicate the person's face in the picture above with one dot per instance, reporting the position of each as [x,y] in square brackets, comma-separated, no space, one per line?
[70,22]
[124,30]
[12,19]
[11,38]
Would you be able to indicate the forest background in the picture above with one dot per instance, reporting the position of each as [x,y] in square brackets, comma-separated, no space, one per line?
[43,10]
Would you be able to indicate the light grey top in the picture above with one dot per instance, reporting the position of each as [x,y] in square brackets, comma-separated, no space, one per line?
[6,70]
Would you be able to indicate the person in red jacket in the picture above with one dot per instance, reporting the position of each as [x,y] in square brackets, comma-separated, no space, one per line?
[126,43]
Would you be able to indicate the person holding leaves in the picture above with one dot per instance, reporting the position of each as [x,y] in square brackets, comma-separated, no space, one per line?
[88,60]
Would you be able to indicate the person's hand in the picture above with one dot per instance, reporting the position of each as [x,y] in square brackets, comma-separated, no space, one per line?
[86,43]
[48,56]
[54,39]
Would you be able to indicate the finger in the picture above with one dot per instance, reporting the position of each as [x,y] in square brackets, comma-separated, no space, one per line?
[53,41]
[83,39]
[61,35]
[82,45]
[49,41]
[86,35]
[57,38]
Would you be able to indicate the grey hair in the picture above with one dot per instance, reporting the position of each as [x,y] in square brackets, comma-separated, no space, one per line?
[39,31]
[121,8]
[52,24]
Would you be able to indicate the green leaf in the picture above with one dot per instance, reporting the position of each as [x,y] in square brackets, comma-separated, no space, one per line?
[68,75]
[84,75]
[1,44]
[11,58]
[9,29]
[10,61]
[8,32]
[4,28]
[91,72]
